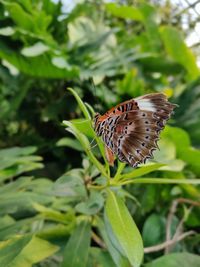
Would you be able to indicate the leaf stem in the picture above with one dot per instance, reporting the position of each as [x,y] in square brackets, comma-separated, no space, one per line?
[156,181]
[120,168]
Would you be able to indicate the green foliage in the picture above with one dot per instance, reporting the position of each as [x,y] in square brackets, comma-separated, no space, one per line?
[61,203]
[175,260]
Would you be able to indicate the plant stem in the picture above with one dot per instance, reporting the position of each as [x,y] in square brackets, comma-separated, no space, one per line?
[156,181]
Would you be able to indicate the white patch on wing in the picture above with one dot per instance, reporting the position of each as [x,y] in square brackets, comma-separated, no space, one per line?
[146,104]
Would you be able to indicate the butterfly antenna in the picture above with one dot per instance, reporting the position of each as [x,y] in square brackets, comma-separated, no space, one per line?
[91,144]
[92,141]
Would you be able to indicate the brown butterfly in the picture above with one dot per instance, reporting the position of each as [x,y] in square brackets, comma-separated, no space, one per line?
[131,129]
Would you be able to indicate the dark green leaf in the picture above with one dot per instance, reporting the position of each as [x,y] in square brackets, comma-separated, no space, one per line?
[176,260]
[154,230]
[92,205]
[101,258]
[70,184]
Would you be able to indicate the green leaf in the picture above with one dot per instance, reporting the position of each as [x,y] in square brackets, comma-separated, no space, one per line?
[124,229]
[6,221]
[16,160]
[131,84]
[40,66]
[54,215]
[81,104]
[77,249]
[178,50]
[153,230]
[35,251]
[188,114]
[100,258]
[92,205]
[150,15]
[192,157]
[84,126]
[142,171]
[167,154]
[60,62]
[176,260]
[35,21]
[178,136]
[69,142]
[17,151]
[183,147]
[11,248]
[35,50]
[85,144]
[150,180]
[125,12]
[22,201]
[71,185]
[116,254]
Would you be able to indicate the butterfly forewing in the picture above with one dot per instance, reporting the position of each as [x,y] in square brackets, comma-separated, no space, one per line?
[131,129]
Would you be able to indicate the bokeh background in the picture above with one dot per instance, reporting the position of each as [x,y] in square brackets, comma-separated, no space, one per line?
[128,48]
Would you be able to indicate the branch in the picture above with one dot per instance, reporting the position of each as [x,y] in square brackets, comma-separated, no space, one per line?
[170,217]
[98,240]
[168,243]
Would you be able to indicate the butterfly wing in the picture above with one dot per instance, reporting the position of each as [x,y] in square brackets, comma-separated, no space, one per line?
[132,134]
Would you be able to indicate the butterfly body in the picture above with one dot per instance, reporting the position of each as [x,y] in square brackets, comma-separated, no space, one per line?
[131,129]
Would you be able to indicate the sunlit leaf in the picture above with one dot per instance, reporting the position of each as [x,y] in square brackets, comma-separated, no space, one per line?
[7,31]
[126,12]
[116,255]
[35,50]
[11,248]
[124,229]
[35,251]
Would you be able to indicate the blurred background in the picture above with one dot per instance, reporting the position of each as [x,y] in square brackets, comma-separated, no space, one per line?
[129,48]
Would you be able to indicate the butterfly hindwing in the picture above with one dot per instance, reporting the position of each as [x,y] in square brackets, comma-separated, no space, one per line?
[131,131]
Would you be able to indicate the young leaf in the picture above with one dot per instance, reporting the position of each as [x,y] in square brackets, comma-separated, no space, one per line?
[124,229]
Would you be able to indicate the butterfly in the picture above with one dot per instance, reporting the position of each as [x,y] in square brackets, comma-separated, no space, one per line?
[131,129]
